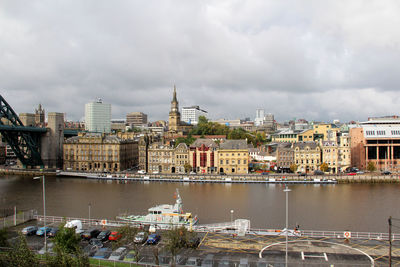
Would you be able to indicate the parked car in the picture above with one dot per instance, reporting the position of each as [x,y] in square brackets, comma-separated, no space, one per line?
[192,262]
[43,230]
[29,230]
[114,236]
[351,173]
[302,174]
[386,172]
[50,247]
[96,242]
[103,253]
[91,233]
[192,173]
[153,239]
[90,250]
[53,232]
[142,172]
[318,172]
[265,173]
[131,256]
[208,261]
[103,236]
[118,254]
[140,238]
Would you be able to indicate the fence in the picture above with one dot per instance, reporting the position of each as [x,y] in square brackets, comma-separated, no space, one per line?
[17,218]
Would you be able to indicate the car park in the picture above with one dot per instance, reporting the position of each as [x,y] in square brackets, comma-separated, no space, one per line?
[118,254]
[50,247]
[53,232]
[42,231]
[29,230]
[90,250]
[103,235]
[91,233]
[96,242]
[192,262]
[208,261]
[103,253]
[114,236]
[153,239]
[140,238]
[131,256]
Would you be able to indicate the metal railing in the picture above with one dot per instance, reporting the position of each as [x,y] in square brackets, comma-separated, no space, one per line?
[17,218]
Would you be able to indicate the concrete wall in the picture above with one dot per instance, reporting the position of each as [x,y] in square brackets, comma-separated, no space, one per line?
[52,141]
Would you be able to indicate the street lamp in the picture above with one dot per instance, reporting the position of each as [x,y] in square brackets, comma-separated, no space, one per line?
[231,216]
[44,210]
[89,212]
[286,190]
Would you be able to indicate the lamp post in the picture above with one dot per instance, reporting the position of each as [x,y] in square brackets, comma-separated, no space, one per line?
[89,212]
[44,210]
[286,190]
[232,216]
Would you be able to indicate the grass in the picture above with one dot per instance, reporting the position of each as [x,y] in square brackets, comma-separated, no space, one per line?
[98,262]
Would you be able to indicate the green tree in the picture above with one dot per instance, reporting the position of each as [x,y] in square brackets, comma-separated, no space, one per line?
[128,233]
[293,168]
[187,167]
[177,238]
[20,255]
[371,166]
[4,237]
[324,167]
[67,249]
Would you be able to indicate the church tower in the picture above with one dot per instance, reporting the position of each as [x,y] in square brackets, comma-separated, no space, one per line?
[174,115]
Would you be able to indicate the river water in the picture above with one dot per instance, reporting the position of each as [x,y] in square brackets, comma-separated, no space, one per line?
[353,207]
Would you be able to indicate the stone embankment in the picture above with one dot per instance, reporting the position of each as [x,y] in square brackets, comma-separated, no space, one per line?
[27,172]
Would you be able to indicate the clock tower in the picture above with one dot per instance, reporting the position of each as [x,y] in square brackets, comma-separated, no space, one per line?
[174,115]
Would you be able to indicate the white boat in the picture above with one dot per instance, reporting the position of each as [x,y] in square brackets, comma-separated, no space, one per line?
[164,214]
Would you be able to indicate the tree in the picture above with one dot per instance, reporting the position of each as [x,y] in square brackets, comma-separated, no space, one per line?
[4,237]
[177,238]
[128,233]
[20,255]
[67,249]
[324,167]
[293,168]
[371,166]
[187,167]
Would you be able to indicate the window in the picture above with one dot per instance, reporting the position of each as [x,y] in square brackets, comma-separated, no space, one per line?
[227,162]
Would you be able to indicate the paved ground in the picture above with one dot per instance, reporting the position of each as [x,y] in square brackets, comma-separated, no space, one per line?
[302,251]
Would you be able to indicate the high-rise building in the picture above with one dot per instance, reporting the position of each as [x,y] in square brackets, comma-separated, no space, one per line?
[259,117]
[191,114]
[136,119]
[98,117]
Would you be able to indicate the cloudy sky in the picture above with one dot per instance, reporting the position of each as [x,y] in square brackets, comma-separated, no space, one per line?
[318,60]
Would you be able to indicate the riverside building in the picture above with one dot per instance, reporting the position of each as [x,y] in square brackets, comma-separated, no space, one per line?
[95,152]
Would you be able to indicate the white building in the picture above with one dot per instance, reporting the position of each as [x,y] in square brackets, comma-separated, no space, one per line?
[191,114]
[259,120]
[98,117]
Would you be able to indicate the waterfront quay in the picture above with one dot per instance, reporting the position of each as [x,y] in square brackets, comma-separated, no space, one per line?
[243,178]
[260,247]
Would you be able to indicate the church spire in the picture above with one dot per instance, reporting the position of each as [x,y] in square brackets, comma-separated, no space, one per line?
[174,97]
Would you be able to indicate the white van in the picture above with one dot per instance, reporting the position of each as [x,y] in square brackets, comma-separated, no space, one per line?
[76,224]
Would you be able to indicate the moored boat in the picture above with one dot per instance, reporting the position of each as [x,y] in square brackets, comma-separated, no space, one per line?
[164,214]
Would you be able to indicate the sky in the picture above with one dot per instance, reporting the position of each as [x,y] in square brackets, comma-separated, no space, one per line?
[317,60]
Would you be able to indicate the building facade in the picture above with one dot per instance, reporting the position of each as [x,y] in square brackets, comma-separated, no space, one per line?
[307,156]
[284,156]
[94,152]
[98,117]
[203,156]
[175,125]
[161,158]
[191,115]
[135,119]
[233,157]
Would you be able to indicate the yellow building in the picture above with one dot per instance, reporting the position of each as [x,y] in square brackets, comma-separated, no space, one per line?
[167,159]
[307,156]
[323,131]
[306,136]
[287,136]
[233,157]
[330,154]
[95,152]
[181,158]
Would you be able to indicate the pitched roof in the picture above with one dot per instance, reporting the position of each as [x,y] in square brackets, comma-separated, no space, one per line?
[202,141]
[234,144]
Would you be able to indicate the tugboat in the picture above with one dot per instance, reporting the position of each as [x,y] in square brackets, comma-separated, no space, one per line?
[163,215]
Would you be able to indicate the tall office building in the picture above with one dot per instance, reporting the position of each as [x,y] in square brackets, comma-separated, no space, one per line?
[98,117]
[191,114]
[136,119]
[259,117]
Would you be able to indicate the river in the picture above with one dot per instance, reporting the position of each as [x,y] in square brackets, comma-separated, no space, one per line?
[353,207]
